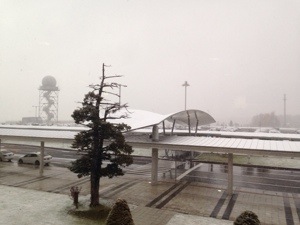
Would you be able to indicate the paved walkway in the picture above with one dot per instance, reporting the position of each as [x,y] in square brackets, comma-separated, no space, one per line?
[19,205]
[43,200]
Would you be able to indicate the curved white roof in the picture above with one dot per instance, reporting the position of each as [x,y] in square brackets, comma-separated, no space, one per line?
[193,117]
[138,119]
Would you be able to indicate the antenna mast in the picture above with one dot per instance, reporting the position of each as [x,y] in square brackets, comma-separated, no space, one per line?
[284,110]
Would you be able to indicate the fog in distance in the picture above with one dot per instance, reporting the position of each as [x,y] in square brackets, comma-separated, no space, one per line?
[239,57]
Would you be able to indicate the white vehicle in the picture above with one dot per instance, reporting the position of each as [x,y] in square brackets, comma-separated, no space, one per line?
[34,158]
[6,155]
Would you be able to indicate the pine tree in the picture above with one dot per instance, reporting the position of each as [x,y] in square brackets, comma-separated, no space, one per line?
[103,140]
[120,214]
[247,218]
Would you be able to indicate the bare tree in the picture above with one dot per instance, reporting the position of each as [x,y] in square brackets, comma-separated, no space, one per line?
[104,140]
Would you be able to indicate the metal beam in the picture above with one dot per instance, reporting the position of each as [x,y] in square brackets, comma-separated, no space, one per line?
[174,121]
[196,129]
[189,121]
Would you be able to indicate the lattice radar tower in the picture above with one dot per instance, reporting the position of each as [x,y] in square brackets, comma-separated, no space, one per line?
[48,100]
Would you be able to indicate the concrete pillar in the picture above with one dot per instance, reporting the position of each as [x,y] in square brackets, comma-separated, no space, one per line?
[230,174]
[42,159]
[155,133]
[164,128]
[154,168]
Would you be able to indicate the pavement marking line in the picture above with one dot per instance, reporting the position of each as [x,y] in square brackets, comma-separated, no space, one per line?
[146,170]
[158,198]
[115,188]
[59,189]
[219,205]
[106,188]
[121,189]
[287,209]
[230,205]
[171,196]
[63,159]
[27,181]
[262,186]
[10,173]
[297,204]
[36,179]
[188,171]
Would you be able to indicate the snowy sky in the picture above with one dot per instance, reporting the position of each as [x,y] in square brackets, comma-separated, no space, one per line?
[239,56]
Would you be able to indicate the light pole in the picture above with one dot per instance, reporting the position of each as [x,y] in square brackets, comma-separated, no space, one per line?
[120,86]
[185,85]
[284,110]
[36,107]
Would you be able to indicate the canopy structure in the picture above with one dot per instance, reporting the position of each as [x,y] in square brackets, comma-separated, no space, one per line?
[191,117]
[138,119]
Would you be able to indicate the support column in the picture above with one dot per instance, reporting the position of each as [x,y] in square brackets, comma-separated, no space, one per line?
[42,159]
[154,169]
[173,127]
[230,174]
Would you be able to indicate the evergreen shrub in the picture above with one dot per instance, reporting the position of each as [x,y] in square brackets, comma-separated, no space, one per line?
[247,218]
[120,214]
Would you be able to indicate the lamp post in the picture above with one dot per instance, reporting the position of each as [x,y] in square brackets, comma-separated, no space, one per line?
[36,107]
[284,110]
[185,85]
[120,86]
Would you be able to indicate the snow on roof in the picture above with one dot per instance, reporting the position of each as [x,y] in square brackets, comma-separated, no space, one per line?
[193,117]
[219,144]
[138,119]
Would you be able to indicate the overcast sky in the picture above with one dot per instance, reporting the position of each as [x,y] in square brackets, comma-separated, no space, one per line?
[239,56]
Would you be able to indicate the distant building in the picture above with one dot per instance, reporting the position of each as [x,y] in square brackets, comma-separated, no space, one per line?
[32,120]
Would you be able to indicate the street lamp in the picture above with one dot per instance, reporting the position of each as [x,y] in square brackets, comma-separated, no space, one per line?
[36,107]
[185,85]
[120,86]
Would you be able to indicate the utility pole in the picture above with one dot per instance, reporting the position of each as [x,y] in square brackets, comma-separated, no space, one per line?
[120,86]
[284,110]
[185,85]
[35,116]
[36,107]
